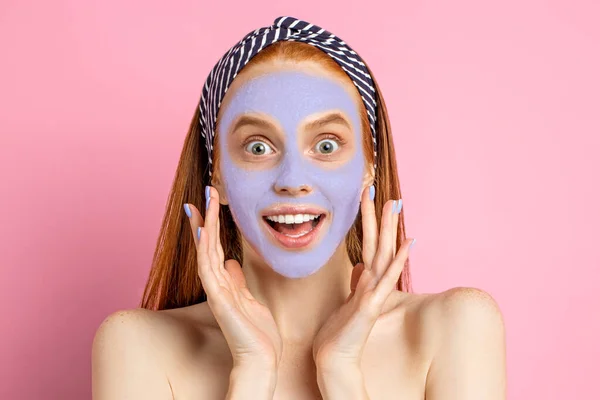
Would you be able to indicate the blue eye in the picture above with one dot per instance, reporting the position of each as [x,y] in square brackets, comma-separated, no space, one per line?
[327,146]
[258,148]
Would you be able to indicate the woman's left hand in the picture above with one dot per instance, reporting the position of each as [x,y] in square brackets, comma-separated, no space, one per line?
[339,343]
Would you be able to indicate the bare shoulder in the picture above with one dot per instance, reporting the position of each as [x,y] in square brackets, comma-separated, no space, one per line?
[143,327]
[462,305]
[464,329]
[142,345]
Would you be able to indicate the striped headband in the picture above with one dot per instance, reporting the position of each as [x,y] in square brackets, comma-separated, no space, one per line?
[283,28]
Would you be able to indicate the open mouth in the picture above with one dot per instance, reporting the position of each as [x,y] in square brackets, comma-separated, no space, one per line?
[294,231]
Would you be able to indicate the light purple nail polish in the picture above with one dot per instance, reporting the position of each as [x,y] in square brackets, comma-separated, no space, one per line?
[199,229]
[399,206]
[207,195]
[372,192]
[413,242]
[188,212]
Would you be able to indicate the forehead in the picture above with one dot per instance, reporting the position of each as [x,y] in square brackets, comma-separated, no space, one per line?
[289,96]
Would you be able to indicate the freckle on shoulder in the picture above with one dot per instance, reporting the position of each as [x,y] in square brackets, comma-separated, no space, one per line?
[459,305]
[469,297]
[469,309]
[122,321]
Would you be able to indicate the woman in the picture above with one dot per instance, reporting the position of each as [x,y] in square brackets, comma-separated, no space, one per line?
[294,281]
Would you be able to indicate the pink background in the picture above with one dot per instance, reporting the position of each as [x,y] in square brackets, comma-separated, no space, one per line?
[495,109]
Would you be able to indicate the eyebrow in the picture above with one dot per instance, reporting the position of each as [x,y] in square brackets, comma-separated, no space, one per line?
[251,120]
[333,118]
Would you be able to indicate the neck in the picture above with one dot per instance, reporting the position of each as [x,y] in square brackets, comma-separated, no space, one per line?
[299,306]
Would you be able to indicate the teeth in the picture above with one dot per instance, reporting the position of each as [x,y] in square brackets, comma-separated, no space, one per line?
[292,218]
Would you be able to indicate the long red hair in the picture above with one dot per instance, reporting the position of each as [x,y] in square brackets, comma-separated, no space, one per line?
[173,281]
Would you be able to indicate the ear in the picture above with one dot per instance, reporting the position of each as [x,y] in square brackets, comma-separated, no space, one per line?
[218,184]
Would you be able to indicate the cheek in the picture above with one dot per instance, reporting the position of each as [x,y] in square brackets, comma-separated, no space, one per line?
[245,189]
[342,186]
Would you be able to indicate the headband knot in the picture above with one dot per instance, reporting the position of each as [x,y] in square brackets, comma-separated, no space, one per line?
[290,29]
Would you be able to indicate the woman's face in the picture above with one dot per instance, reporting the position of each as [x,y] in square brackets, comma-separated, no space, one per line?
[292,165]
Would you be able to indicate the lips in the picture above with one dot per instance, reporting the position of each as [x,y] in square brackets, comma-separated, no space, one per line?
[292,210]
[294,227]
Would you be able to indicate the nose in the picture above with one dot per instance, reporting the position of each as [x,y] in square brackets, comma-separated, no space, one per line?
[289,190]
[292,181]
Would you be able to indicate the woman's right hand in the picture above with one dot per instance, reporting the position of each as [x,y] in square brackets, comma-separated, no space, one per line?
[248,326]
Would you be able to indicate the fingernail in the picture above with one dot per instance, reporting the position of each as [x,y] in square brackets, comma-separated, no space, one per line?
[413,242]
[188,212]
[207,195]
[371,192]
[199,229]
[399,204]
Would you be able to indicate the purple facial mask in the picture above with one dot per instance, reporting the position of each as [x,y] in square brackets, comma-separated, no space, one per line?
[289,97]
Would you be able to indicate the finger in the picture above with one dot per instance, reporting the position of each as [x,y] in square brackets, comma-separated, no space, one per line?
[212,218]
[205,270]
[222,296]
[203,261]
[219,245]
[367,281]
[369,226]
[195,220]
[395,227]
[384,254]
[389,280]
[222,302]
